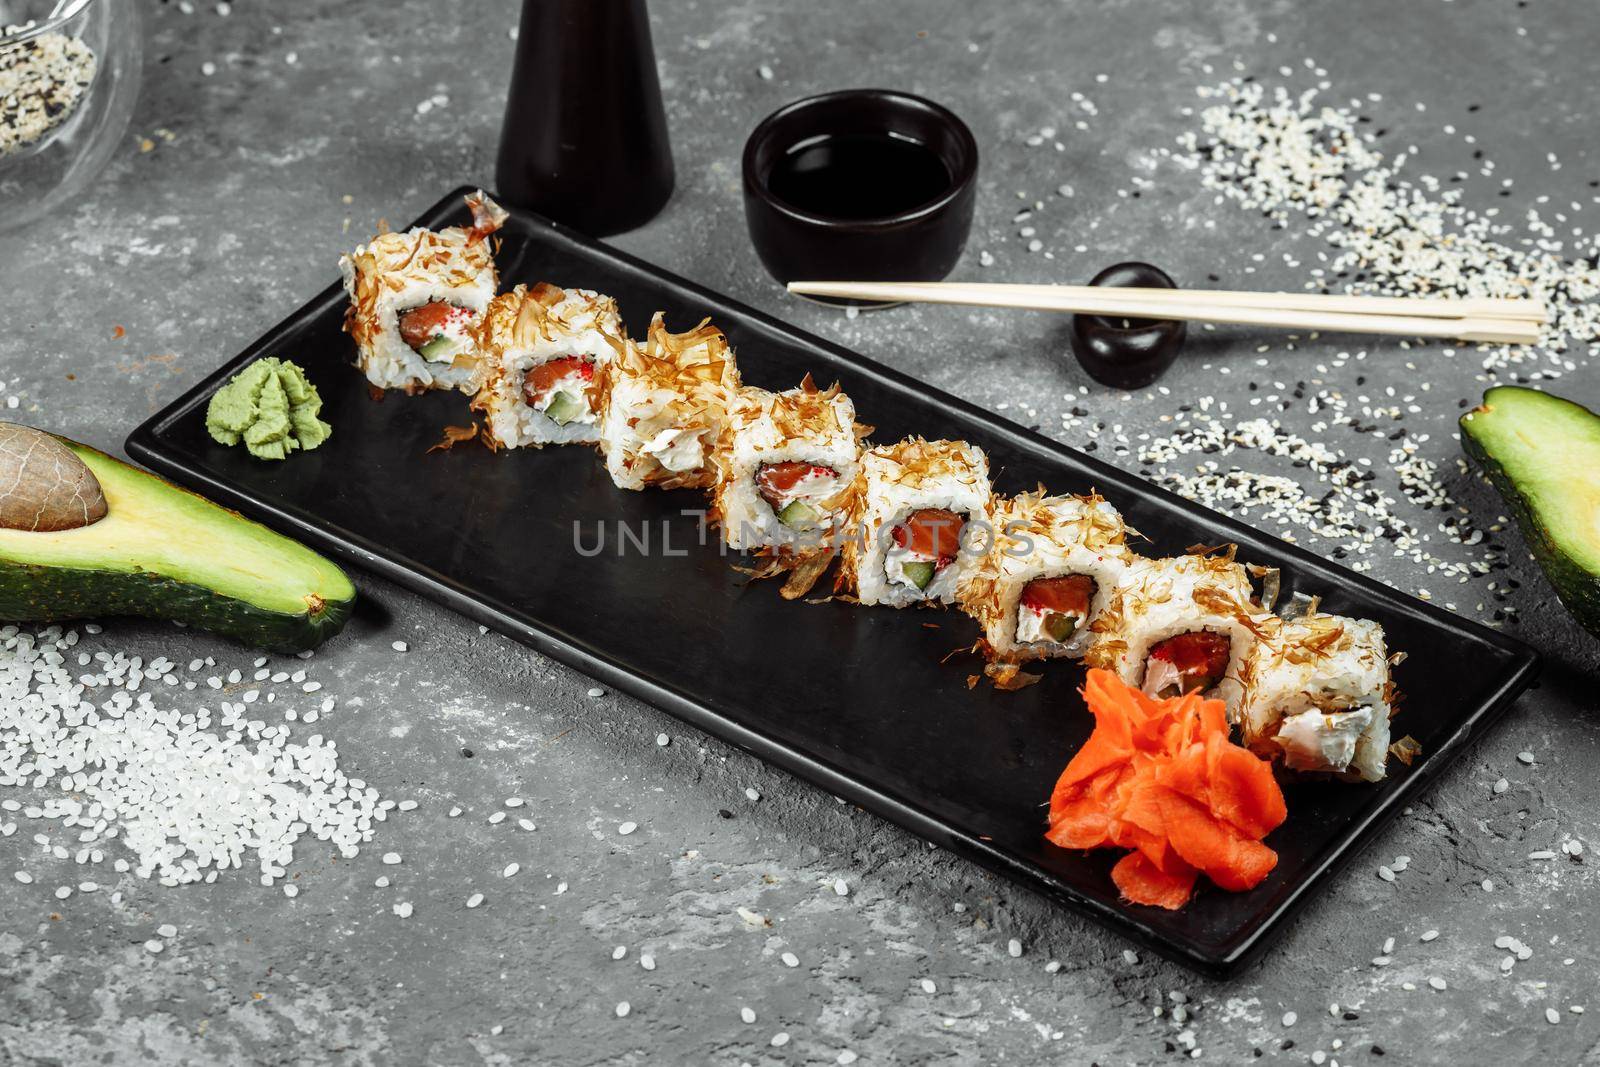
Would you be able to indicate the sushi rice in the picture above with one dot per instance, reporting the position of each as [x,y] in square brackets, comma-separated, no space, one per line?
[1318,694]
[1045,537]
[896,482]
[529,328]
[1166,598]
[786,469]
[397,273]
[663,407]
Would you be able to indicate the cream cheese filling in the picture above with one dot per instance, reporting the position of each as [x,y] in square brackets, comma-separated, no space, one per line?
[1322,741]
[676,449]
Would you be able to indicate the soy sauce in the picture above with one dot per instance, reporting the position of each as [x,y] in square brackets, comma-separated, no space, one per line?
[859,176]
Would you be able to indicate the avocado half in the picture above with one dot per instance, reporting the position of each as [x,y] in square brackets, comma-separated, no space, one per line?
[166,553]
[1543,454]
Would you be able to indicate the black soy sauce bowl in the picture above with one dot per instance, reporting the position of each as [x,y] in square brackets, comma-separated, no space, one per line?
[922,242]
[1128,353]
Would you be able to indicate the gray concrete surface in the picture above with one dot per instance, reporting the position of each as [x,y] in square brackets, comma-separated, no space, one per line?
[236,213]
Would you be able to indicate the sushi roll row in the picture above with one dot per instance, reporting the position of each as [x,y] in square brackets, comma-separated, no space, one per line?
[793,478]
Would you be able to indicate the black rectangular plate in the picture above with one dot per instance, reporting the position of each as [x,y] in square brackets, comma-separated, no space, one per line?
[855,699]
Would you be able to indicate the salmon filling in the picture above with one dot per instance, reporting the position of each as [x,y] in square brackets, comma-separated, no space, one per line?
[1053,609]
[794,489]
[560,388]
[1191,662]
[435,330]
[929,540]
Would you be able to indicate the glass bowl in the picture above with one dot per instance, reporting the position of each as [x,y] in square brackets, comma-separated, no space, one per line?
[69,75]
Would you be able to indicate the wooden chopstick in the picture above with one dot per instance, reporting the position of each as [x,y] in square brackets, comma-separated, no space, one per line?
[1419,307]
[1194,306]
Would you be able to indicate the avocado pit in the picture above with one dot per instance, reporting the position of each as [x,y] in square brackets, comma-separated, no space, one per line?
[44,486]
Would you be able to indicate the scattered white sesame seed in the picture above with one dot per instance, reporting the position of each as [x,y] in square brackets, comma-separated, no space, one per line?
[647,961]
[779,1039]
[1290,1018]
[391,858]
[1552,1016]
[790,959]
[403,909]
[752,793]
[747,1014]
[474,900]
[928,986]
[841,887]
[627,828]
[596,691]
[511,870]
[290,889]
[1525,757]
[1437,983]
[1014,947]
[623,1008]
[399,646]
[1429,935]
[154,947]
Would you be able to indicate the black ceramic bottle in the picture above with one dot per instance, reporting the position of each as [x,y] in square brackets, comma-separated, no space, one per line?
[585,136]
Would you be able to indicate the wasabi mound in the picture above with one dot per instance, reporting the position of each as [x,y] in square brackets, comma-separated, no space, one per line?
[271,408]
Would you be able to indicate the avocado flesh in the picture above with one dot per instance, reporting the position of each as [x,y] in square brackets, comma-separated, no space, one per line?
[1060,626]
[564,407]
[920,573]
[798,515]
[1543,454]
[163,552]
[437,349]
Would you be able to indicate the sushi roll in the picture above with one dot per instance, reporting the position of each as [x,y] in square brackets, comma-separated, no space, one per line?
[541,348]
[786,466]
[414,298]
[663,405]
[1180,625]
[1056,565]
[1318,693]
[919,526]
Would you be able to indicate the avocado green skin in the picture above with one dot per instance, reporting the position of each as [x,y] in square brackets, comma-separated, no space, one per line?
[30,593]
[1577,587]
